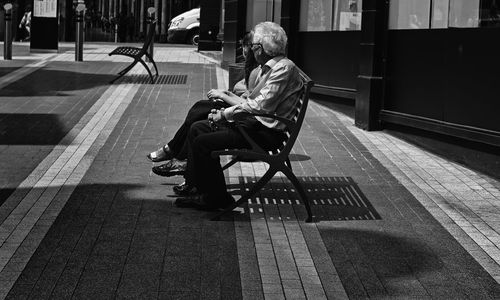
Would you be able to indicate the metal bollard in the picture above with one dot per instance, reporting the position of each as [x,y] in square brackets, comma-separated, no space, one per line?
[7,41]
[151,18]
[80,11]
[116,30]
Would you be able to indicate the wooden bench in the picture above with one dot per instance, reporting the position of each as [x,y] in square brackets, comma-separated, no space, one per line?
[278,159]
[137,54]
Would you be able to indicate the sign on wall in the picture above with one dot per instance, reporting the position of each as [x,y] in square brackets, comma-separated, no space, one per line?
[44,26]
[45,8]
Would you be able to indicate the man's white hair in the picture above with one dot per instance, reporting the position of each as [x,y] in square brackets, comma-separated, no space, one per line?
[272,37]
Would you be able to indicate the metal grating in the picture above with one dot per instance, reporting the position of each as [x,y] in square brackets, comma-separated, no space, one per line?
[331,198]
[170,79]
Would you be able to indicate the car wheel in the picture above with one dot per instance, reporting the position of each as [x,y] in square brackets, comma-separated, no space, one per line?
[194,37]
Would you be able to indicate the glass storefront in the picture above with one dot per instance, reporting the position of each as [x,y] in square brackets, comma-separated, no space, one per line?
[424,14]
[123,20]
[263,10]
[330,15]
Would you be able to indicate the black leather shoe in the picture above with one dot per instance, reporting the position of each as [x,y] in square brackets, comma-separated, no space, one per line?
[185,190]
[202,203]
[171,168]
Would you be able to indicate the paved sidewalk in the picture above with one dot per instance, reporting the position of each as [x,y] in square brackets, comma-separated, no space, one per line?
[82,216]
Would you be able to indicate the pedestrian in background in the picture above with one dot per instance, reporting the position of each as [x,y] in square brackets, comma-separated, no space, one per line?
[26,23]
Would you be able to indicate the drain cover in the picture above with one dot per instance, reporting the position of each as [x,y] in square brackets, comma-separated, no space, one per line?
[160,79]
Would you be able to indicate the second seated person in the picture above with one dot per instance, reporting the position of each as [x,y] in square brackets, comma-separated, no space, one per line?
[277,92]
[175,152]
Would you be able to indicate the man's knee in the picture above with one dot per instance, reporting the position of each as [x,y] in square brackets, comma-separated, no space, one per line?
[197,128]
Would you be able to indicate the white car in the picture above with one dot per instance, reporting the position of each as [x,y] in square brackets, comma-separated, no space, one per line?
[185,28]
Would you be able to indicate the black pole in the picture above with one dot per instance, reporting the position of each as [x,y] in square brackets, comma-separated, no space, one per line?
[7,41]
[151,19]
[80,11]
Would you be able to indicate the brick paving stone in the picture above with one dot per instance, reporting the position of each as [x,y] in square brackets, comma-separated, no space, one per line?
[110,229]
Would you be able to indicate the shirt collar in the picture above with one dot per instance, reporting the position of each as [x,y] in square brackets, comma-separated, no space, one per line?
[270,64]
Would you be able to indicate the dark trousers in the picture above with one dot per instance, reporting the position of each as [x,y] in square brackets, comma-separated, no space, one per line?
[204,171]
[199,111]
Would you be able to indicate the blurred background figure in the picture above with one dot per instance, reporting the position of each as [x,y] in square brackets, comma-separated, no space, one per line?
[26,24]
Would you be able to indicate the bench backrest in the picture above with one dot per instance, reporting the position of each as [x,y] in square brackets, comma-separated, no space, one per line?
[149,37]
[299,114]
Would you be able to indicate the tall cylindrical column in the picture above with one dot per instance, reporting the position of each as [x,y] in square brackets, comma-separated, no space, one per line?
[151,19]
[79,11]
[7,41]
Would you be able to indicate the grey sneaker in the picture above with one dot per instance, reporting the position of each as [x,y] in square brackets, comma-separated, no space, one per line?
[171,168]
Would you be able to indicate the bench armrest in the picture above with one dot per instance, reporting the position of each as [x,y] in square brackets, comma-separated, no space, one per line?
[242,115]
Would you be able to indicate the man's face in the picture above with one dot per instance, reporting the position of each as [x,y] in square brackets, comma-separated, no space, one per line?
[258,52]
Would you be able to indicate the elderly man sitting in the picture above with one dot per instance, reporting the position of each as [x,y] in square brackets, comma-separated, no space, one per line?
[276,92]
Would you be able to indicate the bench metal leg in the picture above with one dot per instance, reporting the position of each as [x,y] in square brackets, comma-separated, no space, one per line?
[255,188]
[147,69]
[124,71]
[289,174]
[229,164]
[153,62]
[288,163]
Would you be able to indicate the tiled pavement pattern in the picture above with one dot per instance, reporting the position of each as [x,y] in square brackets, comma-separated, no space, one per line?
[91,221]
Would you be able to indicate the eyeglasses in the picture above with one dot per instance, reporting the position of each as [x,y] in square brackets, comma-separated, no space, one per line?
[255,44]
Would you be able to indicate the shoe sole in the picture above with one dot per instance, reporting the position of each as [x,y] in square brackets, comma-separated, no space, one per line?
[169,174]
[184,194]
[155,160]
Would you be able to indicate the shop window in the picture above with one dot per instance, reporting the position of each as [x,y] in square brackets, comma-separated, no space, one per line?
[330,15]
[409,14]
[464,13]
[415,14]
[263,10]
[474,13]
[440,11]
[489,13]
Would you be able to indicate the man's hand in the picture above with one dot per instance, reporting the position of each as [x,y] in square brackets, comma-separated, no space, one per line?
[216,116]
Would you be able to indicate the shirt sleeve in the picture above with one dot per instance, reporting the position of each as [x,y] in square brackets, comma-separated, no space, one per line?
[269,96]
[240,87]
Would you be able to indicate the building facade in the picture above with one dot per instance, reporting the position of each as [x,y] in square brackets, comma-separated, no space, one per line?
[427,64]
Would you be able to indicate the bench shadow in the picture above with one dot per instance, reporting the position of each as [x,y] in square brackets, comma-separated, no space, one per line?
[331,198]
[298,157]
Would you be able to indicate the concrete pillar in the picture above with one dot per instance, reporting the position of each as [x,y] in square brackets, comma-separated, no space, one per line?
[370,82]
[290,18]
[234,28]
[210,12]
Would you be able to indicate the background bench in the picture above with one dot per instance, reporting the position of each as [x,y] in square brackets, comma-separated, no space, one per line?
[138,53]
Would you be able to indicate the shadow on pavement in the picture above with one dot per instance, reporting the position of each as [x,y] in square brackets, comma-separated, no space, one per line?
[7,70]
[331,198]
[30,129]
[51,82]
[390,255]
[298,157]
[129,241]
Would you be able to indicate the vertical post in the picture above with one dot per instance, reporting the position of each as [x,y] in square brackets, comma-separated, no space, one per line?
[80,11]
[163,22]
[234,28]
[370,82]
[7,41]
[209,25]
[116,14]
[151,19]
